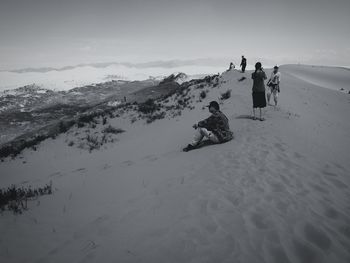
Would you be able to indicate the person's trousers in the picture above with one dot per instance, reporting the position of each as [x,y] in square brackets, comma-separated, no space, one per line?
[204,133]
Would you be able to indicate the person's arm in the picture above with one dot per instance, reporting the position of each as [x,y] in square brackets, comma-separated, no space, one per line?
[205,123]
[265,77]
[202,123]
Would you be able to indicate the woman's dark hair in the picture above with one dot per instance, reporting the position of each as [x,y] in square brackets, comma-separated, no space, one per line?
[257,66]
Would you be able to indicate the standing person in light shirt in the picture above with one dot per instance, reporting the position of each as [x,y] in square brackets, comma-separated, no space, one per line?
[274,85]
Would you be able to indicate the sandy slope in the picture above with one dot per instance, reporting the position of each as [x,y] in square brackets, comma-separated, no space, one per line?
[326,77]
[277,193]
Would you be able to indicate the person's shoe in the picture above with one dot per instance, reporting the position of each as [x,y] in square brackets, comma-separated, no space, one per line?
[188,148]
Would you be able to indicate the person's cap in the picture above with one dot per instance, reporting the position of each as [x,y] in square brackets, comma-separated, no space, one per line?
[275,67]
[214,104]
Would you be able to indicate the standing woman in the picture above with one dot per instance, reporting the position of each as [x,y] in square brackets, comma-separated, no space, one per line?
[259,97]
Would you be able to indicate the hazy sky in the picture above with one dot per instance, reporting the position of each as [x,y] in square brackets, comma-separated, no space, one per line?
[62,32]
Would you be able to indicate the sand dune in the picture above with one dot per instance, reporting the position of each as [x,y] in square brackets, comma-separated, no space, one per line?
[326,77]
[279,192]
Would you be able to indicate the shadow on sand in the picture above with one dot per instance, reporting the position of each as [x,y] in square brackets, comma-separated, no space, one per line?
[248,117]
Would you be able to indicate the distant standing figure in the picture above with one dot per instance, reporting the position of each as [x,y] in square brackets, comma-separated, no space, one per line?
[259,97]
[232,66]
[243,64]
[215,128]
[274,85]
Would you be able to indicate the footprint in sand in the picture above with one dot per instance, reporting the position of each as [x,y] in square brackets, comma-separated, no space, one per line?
[203,206]
[345,230]
[128,163]
[279,147]
[273,237]
[298,155]
[319,188]
[235,200]
[56,174]
[277,187]
[259,221]
[278,255]
[158,232]
[329,173]
[106,166]
[339,166]
[208,224]
[317,237]
[88,246]
[338,184]
[195,234]
[305,253]
[281,206]
[331,213]
[79,170]
[150,158]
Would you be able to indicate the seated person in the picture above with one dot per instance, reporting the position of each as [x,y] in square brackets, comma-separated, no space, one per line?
[232,66]
[215,128]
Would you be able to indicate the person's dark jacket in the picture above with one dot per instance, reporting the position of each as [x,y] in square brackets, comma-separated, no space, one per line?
[218,124]
[258,81]
[244,62]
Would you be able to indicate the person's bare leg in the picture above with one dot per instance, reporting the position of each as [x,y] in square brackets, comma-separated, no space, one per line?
[275,98]
[254,117]
[203,133]
[198,137]
[261,118]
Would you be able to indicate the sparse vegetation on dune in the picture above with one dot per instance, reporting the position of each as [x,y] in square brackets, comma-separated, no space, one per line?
[111,129]
[203,94]
[93,138]
[175,101]
[169,100]
[226,95]
[156,116]
[16,199]
[32,139]
[149,106]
